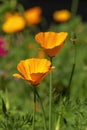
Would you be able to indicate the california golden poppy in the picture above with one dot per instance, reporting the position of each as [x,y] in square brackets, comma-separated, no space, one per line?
[61,15]
[51,41]
[33,15]
[33,70]
[13,23]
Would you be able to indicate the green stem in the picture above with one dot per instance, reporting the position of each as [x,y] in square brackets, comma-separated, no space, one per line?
[34,109]
[74,64]
[74,7]
[44,117]
[50,101]
[13,4]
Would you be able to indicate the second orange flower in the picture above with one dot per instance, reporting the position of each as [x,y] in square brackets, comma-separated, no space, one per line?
[51,42]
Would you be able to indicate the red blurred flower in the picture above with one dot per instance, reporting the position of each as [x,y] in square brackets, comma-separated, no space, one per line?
[3,47]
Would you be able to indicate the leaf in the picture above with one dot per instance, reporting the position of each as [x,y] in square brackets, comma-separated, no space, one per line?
[4,107]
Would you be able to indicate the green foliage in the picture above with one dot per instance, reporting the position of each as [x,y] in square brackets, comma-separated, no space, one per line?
[16,122]
[74,114]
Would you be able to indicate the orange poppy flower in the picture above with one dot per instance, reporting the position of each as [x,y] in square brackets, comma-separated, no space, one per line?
[61,15]
[51,41]
[33,70]
[33,15]
[13,23]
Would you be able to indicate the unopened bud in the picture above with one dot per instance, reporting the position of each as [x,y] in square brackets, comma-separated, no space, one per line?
[74,38]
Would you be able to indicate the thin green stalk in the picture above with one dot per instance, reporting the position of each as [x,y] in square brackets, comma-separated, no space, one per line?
[74,64]
[34,109]
[44,117]
[13,4]
[74,7]
[50,100]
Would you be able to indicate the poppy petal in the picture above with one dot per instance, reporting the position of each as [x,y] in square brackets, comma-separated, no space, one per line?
[18,76]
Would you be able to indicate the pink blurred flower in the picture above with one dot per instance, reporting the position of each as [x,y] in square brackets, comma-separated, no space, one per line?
[3,47]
